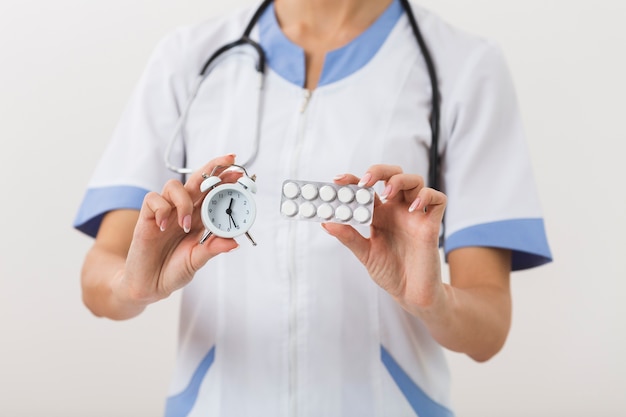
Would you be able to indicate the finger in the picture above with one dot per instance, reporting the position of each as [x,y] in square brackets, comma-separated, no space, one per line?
[379,172]
[429,201]
[155,207]
[406,185]
[212,247]
[230,176]
[352,239]
[179,198]
[193,182]
[345,179]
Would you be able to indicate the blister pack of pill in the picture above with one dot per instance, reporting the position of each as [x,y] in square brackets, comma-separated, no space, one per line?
[327,202]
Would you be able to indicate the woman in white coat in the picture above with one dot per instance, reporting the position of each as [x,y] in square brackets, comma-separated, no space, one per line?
[307,324]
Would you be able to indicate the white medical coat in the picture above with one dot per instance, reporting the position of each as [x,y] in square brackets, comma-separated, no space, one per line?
[295,326]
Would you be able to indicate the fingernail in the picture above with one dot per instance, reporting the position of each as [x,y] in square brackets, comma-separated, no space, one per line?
[187,223]
[339,177]
[232,155]
[365,179]
[163,225]
[385,194]
[233,249]
[414,205]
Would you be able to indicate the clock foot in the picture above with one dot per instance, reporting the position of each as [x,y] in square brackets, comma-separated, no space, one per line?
[251,240]
[205,236]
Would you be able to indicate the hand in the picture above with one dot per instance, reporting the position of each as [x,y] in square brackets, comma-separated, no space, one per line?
[401,254]
[165,252]
[472,315]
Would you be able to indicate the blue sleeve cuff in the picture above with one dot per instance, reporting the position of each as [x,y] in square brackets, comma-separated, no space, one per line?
[99,201]
[526,238]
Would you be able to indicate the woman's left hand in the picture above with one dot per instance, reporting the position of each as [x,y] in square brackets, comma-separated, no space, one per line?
[402,252]
[473,313]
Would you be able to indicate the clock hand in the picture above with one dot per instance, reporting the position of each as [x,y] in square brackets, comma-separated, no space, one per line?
[229,211]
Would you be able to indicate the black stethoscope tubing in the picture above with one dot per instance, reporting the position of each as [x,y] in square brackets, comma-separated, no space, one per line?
[242,41]
[434,157]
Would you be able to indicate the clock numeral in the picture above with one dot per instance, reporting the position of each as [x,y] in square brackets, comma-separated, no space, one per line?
[213,202]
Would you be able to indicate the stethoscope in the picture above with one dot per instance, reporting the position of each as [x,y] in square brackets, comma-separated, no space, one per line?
[260,64]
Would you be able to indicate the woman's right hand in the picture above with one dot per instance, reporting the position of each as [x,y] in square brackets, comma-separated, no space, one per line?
[165,252]
[142,257]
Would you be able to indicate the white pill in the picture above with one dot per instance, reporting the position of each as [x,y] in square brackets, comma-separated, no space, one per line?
[291,190]
[363,196]
[325,211]
[345,194]
[307,210]
[309,191]
[361,214]
[327,193]
[343,213]
[289,208]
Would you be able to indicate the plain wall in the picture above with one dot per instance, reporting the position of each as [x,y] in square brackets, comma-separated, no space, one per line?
[66,70]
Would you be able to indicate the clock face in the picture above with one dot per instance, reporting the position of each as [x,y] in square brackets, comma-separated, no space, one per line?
[228,210]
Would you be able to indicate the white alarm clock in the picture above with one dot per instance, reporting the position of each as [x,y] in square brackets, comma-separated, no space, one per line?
[229,209]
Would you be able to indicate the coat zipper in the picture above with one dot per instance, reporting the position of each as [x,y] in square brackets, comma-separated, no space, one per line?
[293,287]
[300,134]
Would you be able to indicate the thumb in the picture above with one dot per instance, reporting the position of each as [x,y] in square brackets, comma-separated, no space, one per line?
[352,239]
[214,246]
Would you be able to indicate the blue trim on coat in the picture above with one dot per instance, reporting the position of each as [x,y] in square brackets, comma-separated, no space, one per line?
[287,59]
[525,237]
[422,404]
[99,201]
[180,405]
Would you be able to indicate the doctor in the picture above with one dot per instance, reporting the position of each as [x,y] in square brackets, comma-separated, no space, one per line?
[343,323]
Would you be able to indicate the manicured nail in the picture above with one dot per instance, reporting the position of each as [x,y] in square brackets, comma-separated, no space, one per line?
[385,193]
[365,179]
[414,205]
[163,225]
[339,177]
[187,223]
[233,249]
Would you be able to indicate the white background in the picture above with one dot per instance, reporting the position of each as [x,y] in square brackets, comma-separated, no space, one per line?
[66,70]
